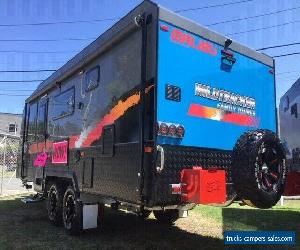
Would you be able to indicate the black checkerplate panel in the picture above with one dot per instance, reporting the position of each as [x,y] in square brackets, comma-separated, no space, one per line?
[178,158]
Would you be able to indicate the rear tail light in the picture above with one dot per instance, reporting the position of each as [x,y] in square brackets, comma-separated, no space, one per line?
[170,130]
[164,28]
[163,129]
[180,131]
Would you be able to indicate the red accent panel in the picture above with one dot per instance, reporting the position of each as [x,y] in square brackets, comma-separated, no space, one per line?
[197,110]
[148,150]
[292,187]
[240,119]
[203,186]
[227,53]
[164,28]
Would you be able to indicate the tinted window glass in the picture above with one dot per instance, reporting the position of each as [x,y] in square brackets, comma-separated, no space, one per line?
[286,104]
[41,121]
[12,128]
[92,78]
[31,133]
[64,104]
[294,110]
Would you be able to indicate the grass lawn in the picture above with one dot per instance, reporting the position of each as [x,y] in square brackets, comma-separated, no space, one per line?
[236,217]
[25,226]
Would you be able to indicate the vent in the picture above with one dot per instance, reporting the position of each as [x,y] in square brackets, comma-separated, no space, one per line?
[173,93]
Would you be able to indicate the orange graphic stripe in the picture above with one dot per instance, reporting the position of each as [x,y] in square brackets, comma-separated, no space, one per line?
[115,113]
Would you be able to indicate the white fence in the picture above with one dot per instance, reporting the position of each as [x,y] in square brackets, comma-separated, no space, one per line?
[9,146]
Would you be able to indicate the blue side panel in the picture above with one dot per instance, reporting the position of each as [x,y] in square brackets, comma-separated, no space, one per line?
[193,64]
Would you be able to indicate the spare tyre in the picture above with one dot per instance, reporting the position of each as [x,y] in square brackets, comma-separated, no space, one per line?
[258,168]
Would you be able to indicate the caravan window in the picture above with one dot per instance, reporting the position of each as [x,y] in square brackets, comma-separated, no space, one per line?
[286,104]
[64,103]
[92,78]
[31,129]
[42,120]
[294,110]
[12,128]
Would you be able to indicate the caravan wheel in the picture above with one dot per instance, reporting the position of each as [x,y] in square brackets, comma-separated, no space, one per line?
[72,212]
[258,168]
[54,204]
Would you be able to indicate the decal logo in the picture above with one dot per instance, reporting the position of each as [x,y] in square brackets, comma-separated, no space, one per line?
[222,115]
[194,42]
[40,160]
[213,186]
[229,101]
[60,152]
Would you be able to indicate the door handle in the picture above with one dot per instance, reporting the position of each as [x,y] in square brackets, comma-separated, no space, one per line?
[162,158]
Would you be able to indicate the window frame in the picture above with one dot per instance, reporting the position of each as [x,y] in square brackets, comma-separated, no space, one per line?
[73,110]
[86,88]
[15,128]
[35,121]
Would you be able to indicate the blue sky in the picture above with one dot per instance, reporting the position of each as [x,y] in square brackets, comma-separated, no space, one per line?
[36,11]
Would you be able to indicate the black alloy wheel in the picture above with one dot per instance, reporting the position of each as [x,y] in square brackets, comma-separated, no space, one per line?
[54,204]
[258,168]
[72,212]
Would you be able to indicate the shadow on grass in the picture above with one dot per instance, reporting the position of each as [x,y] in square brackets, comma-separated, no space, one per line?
[26,227]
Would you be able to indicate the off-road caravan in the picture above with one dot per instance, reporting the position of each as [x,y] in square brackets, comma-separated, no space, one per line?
[157,114]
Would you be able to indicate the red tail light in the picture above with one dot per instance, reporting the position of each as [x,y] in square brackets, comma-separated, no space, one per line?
[164,28]
[180,131]
[163,129]
[172,130]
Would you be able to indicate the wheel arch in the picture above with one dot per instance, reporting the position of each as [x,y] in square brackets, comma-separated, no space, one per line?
[66,179]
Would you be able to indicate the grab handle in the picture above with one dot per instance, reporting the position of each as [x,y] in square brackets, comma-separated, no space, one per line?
[162,158]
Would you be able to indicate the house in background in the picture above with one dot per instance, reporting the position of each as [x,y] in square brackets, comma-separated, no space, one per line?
[10,123]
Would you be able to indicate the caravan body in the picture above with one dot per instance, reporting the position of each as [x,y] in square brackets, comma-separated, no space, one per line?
[155,104]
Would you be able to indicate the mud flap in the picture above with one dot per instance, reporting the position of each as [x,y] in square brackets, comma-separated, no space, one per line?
[89,216]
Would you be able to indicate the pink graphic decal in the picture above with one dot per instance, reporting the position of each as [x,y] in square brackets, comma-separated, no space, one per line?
[40,160]
[60,152]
